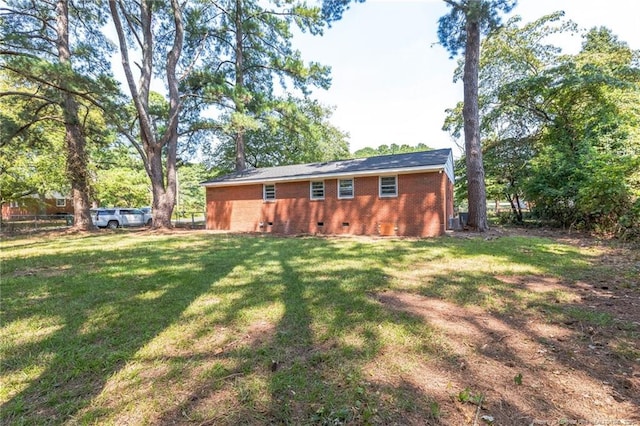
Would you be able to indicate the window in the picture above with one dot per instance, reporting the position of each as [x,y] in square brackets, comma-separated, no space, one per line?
[61,202]
[388,186]
[345,188]
[269,192]
[109,212]
[14,204]
[317,190]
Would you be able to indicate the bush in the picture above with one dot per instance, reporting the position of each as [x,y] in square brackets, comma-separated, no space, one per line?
[629,224]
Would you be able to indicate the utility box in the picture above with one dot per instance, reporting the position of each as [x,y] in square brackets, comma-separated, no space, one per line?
[464,218]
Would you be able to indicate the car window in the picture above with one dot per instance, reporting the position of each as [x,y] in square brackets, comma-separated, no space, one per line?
[136,211]
[126,211]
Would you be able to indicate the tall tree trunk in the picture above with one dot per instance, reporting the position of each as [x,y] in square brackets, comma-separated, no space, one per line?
[163,197]
[74,138]
[476,190]
[241,162]
[162,175]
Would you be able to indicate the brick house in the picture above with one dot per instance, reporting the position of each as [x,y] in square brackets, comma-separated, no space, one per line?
[407,194]
[35,205]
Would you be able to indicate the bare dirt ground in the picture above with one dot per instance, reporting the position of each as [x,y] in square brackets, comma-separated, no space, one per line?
[528,369]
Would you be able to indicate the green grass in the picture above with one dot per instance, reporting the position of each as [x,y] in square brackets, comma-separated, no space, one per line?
[139,328]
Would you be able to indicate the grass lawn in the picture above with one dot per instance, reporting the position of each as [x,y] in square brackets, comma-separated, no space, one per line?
[199,328]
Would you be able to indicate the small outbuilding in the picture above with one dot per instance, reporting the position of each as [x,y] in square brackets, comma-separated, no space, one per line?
[408,194]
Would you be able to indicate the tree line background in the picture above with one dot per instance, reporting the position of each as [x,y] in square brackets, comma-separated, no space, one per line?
[213,86]
[560,132]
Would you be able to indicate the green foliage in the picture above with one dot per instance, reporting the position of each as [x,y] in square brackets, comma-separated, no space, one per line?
[460,190]
[452,29]
[250,52]
[32,171]
[191,195]
[32,157]
[125,187]
[332,10]
[629,222]
[507,167]
[464,395]
[54,61]
[120,180]
[561,131]
[226,89]
[467,396]
[436,411]
[517,379]
[389,149]
[589,153]
[292,131]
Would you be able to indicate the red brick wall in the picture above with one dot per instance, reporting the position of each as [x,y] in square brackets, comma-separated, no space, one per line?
[419,209]
[34,206]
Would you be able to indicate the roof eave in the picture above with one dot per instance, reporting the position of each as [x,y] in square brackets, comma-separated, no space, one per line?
[335,175]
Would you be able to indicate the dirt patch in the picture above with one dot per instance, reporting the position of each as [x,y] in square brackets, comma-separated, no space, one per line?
[534,284]
[518,369]
[42,272]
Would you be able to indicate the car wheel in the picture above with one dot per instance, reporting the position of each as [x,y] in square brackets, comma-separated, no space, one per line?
[113,224]
[149,222]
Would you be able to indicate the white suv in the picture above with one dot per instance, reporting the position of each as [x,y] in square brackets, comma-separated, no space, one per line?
[117,216]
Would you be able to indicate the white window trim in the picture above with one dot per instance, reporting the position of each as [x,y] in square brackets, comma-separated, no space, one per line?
[380,186]
[311,190]
[264,192]
[61,202]
[353,189]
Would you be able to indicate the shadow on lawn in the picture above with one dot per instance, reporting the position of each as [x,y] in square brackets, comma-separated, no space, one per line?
[554,325]
[304,330]
[98,299]
[310,368]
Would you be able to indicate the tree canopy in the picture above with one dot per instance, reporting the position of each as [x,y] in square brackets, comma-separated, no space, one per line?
[252,61]
[559,131]
[389,149]
[53,53]
[291,131]
[231,78]
[562,131]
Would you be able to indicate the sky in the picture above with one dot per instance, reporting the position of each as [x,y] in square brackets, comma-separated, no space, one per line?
[392,82]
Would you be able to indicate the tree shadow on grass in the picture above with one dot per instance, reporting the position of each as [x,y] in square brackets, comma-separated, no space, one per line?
[107,305]
[269,330]
[546,324]
[310,363]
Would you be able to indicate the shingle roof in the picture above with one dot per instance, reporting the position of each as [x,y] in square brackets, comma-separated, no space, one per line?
[428,160]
